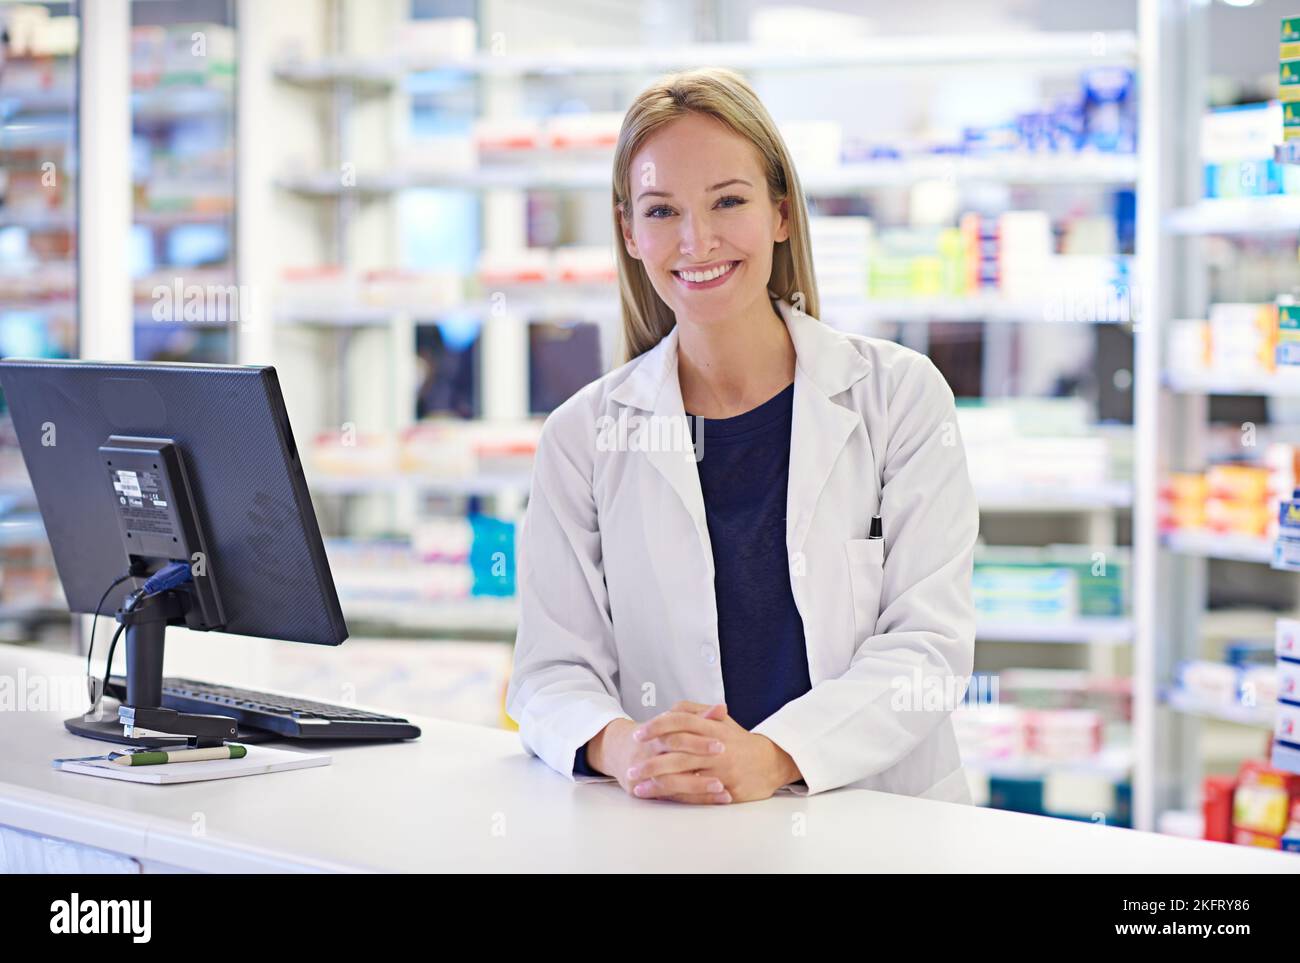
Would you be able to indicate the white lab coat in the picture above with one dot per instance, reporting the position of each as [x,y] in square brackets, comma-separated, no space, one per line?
[618,617]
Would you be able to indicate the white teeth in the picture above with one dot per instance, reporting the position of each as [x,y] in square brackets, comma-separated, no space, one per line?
[699,277]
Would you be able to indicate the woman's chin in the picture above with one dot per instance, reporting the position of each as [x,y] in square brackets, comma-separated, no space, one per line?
[706,306]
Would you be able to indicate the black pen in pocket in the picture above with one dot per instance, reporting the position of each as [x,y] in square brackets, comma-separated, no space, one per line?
[877,531]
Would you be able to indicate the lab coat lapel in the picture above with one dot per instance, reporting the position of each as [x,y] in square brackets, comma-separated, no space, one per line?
[654,387]
[827,364]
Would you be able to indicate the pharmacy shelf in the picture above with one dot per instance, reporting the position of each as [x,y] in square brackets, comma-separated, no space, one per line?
[1002,499]
[1285,382]
[522,305]
[1108,631]
[1224,624]
[28,612]
[180,102]
[849,314]
[1239,548]
[19,487]
[1284,757]
[1272,214]
[1257,717]
[1013,498]
[976,308]
[48,101]
[486,484]
[40,221]
[21,531]
[165,220]
[1009,168]
[1114,764]
[1056,53]
[496,617]
[550,173]
[500,617]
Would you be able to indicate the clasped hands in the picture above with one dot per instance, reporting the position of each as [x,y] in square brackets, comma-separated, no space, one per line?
[693,753]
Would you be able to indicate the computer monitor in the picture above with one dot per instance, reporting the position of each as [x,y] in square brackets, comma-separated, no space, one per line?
[138,467]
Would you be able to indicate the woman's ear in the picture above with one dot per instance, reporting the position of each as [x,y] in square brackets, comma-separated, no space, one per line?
[783,229]
[626,230]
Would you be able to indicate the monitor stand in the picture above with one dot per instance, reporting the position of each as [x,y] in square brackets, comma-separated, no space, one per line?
[150,725]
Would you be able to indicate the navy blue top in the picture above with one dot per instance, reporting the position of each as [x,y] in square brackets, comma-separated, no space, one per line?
[744,474]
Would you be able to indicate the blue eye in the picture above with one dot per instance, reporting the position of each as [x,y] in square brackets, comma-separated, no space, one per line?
[662,207]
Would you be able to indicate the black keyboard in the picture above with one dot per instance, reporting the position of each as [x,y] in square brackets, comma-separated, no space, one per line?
[285,716]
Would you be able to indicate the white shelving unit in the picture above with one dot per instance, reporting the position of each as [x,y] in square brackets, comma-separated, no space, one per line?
[1113,764]
[1254,716]
[1239,548]
[850,314]
[548,173]
[1103,631]
[1173,586]
[1283,384]
[1048,52]
[1237,215]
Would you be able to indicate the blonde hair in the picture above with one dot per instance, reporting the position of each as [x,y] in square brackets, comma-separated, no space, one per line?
[722,94]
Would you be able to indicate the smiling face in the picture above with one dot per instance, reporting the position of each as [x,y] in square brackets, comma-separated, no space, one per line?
[701,220]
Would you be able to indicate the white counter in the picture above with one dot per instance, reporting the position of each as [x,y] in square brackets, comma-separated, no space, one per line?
[467,798]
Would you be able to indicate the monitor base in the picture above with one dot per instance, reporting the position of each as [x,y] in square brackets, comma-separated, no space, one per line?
[110,730]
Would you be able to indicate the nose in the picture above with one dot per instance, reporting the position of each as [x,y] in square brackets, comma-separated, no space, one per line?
[697,238]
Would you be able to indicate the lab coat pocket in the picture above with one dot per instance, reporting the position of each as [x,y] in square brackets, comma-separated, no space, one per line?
[866,571]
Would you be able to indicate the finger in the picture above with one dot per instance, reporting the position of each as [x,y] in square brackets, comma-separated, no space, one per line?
[678,783]
[663,724]
[701,708]
[687,742]
[666,763]
[698,799]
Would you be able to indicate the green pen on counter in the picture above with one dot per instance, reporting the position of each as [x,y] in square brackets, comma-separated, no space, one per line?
[159,757]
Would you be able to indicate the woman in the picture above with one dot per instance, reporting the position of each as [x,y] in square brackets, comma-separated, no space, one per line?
[712,631]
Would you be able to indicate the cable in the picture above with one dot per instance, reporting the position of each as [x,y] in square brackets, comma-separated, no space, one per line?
[165,579]
[90,679]
[108,670]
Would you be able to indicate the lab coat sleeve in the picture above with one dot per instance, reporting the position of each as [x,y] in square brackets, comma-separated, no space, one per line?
[903,680]
[563,685]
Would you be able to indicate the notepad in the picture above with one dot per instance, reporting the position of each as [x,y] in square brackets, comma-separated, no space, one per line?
[260,759]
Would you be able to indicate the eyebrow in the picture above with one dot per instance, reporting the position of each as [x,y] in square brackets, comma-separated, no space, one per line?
[715,187]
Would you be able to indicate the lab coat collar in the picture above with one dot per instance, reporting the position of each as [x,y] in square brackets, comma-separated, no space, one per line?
[824,355]
[827,364]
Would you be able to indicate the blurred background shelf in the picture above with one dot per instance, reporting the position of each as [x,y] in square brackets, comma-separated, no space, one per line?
[481,617]
[1014,499]
[852,314]
[1238,215]
[428,484]
[1279,384]
[557,175]
[1242,548]
[1059,52]
[1114,764]
[1259,718]
[1084,630]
